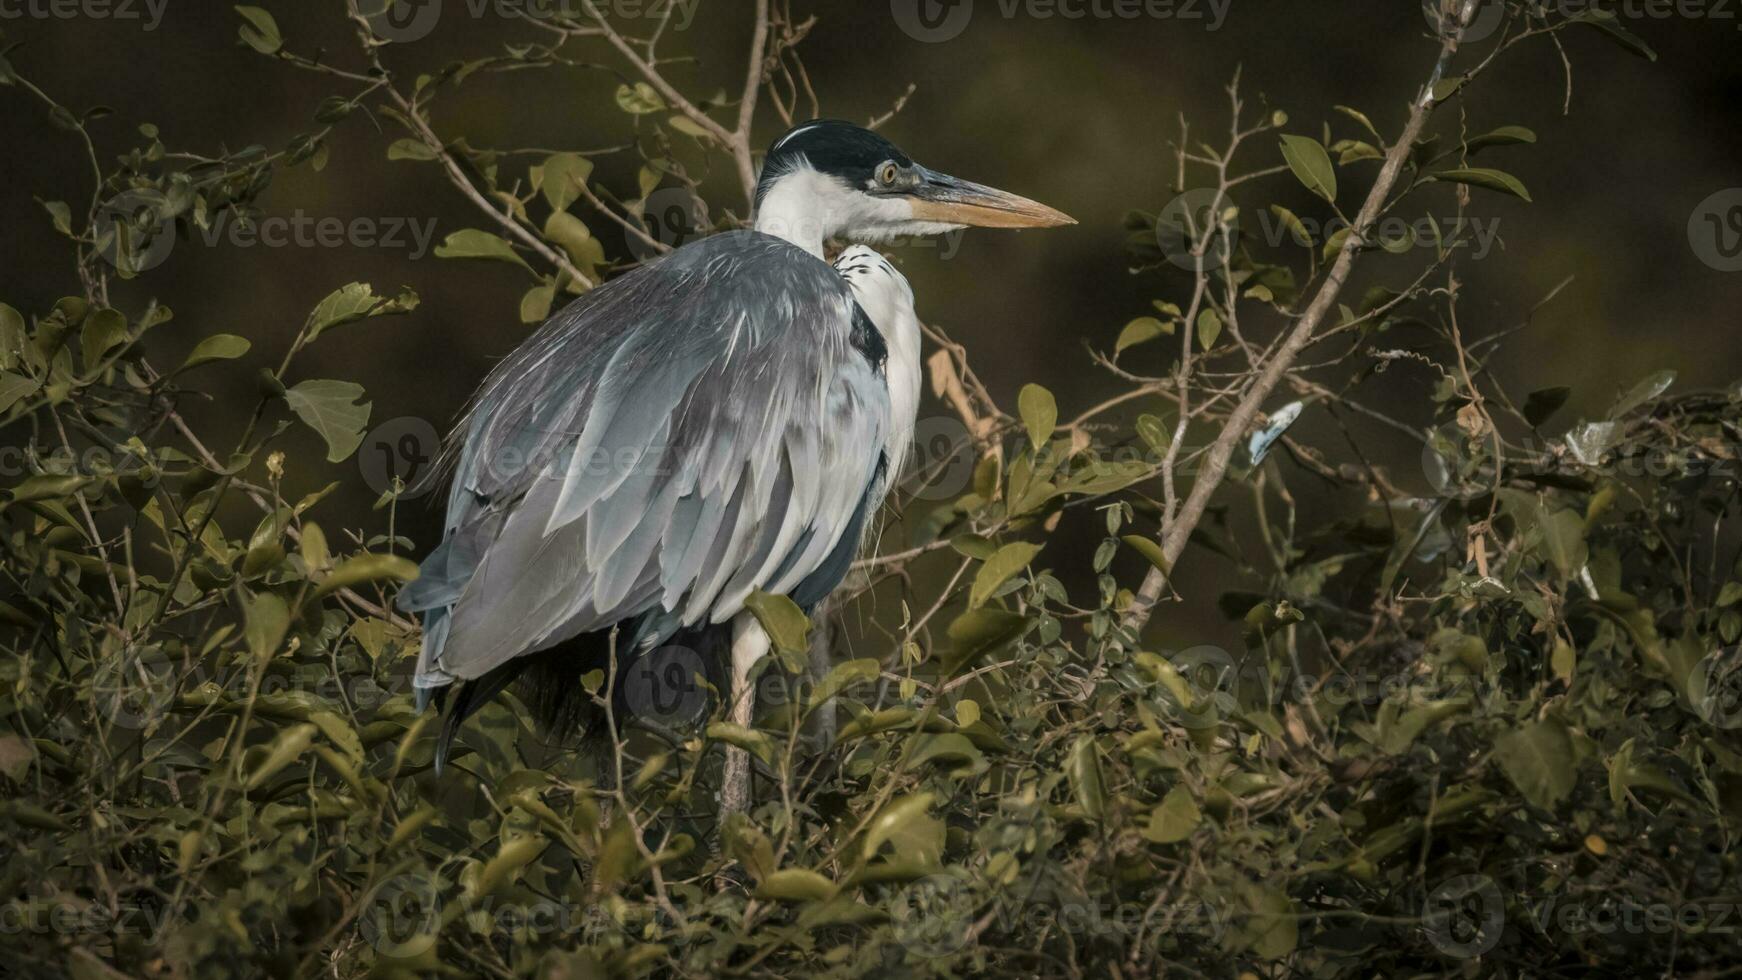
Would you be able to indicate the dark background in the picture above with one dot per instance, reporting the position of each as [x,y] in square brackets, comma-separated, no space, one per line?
[1078,113]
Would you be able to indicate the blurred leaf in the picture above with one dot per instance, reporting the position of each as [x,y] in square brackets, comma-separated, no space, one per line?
[1494,180]
[1541,404]
[353,302]
[1004,564]
[1539,760]
[259,31]
[562,176]
[1209,328]
[470,243]
[1607,22]
[782,619]
[331,409]
[1040,413]
[217,347]
[365,569]
[1085,773]
[1174,818]
[796,885]
[267,620]
[1654,385]
[639,99]
[1138,331]
[1311,165]
[285,749]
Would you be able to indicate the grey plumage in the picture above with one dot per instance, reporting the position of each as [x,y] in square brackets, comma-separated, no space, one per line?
[696,429]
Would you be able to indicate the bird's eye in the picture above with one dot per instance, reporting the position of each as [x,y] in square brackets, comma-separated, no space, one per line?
[887,173]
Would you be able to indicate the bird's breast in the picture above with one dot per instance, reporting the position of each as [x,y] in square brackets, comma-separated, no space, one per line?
[887,300]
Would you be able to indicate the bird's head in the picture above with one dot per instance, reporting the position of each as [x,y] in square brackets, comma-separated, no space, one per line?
[827,179]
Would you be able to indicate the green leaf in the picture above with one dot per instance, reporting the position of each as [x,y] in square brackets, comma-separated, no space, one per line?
[1504,136]
[286,748]
[1154,433]
[259,31]
[562,176]
[1004,564]
[1138,331]
[368,568]
[103,330]
[355,301]
[471,243]
[949,747]
[501,869]
[1175,818]
[1539,760]
[689,127]
[1564,541]
[639,99]
[12,388]
[60,214]
[1564,661]
[331,409]
[1150,551]
[410,149]
[796,885]
[575,238]
[754,742]
[1540,405]
[1360,117]
[535,305]
[844,676]
[1273,930]
[782,619]
[1085,773]
[1296,229]
[894,819]
[1652,386]
[1040,414]
[1209,328]
[265,620]
[1608,23]
[1311,165]
[980,631]
[1494,180]
[217,347]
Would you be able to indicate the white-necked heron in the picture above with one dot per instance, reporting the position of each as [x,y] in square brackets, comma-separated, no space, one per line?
[723,419]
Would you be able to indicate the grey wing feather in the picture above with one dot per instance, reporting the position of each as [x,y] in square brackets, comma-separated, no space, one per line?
[673,440]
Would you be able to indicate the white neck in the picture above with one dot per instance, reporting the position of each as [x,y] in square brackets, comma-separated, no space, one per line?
[797,208]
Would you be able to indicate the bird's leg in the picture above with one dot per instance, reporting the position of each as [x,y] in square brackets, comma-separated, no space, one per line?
[749,644]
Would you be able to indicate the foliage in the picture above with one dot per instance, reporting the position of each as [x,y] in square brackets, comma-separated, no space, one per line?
[1489,727]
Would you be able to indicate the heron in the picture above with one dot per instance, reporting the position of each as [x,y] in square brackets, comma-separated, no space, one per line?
[723,419]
